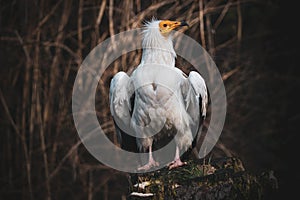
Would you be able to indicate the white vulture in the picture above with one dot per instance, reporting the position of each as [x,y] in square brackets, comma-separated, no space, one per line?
[178,111]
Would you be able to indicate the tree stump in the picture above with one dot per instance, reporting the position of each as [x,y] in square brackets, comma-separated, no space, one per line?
[223,178]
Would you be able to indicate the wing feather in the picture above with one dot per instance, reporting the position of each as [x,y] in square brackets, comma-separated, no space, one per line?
[195,96]
[120,96]
[197,92]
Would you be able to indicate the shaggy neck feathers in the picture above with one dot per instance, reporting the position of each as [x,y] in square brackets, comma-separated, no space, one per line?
[157,49]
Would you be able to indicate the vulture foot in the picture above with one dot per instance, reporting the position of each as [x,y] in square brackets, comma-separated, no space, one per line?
[149,165]
[176,163]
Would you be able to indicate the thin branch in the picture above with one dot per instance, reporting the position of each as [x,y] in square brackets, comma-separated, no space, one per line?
[229,74]
[240,22]
[111,21]
[210,35]
[90,185]
[25,99]
[100,14]
[54,66]
[47,17]
[239,33]
[98,22]
[9,116]
[201,21]
[222,15]
[70,152]
[79,31]
[25,48]
[226,43]
[141,15]
[64,47]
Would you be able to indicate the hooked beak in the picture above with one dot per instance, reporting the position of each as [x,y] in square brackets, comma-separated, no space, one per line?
[183,23]
[177,24]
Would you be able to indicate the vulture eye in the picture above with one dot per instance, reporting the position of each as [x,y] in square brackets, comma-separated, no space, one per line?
[164,25]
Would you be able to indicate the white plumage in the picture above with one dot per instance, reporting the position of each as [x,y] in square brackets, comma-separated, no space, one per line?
[158,97]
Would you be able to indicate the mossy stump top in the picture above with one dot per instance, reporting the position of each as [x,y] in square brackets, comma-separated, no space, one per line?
[223,178]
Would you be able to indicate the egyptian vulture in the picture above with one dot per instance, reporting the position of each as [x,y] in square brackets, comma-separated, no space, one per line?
[177,107]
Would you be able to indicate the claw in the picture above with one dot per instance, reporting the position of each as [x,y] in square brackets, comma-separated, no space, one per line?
[176,163]
[149,165]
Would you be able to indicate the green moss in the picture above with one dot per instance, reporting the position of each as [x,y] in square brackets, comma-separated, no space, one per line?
[223,178]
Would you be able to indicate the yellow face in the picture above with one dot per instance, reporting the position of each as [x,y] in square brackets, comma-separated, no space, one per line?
[166,26]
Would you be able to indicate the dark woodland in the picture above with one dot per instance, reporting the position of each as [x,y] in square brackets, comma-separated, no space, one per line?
[43,43]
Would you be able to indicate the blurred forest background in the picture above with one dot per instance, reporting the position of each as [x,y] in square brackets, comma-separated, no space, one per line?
[42,45]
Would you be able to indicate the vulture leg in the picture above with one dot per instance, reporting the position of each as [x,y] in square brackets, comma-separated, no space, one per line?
[151,163]
[177,162]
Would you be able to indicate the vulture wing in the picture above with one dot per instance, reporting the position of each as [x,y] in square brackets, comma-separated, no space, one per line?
[121,96]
